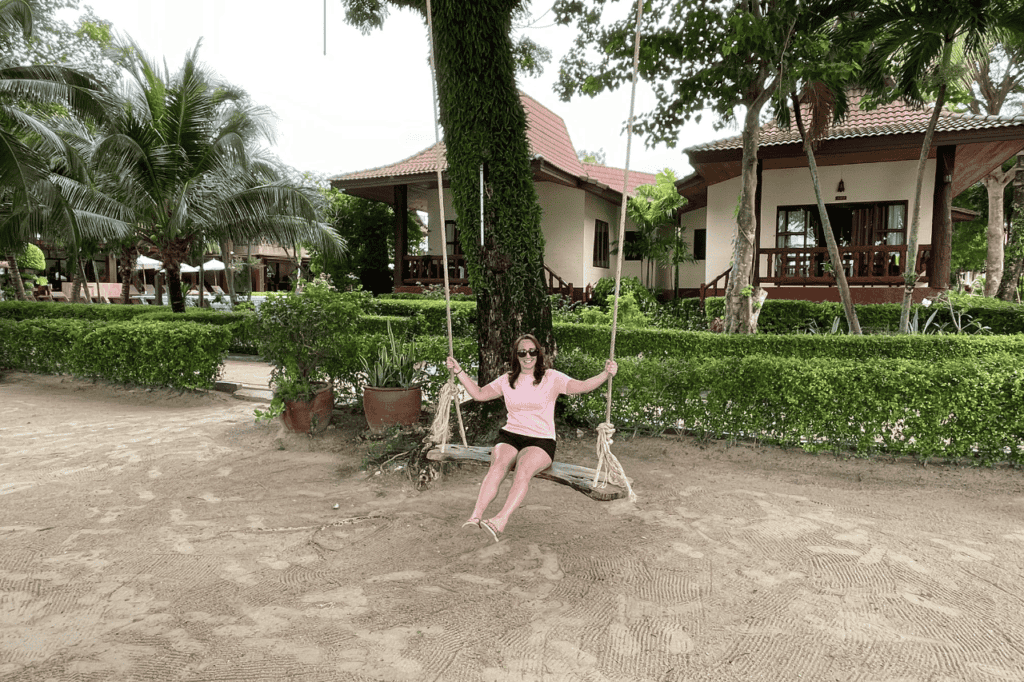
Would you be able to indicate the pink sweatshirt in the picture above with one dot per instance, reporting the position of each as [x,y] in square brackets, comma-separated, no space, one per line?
[531,409]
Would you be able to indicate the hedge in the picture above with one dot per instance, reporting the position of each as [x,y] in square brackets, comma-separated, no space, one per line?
[429,316]
[672,343]
[959,409]
[179,355]
[786,317]
[242,340]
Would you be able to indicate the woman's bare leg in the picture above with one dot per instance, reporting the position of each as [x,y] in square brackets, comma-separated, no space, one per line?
[502,457]
[532,460]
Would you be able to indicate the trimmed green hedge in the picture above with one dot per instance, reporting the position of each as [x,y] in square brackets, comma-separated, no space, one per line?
[429,316]
[240,323]
[965,408]
[787,317]
[656,343]
[178,354]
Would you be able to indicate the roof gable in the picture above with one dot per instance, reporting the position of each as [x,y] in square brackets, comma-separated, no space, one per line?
[549,142]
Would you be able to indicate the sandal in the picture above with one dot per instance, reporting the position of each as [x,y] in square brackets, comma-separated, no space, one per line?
[472,522]
[489,527]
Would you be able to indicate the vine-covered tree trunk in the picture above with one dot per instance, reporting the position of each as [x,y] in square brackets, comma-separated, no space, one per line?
[1014,251]
[484,123]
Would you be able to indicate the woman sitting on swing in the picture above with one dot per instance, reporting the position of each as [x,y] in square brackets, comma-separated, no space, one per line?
[528,437]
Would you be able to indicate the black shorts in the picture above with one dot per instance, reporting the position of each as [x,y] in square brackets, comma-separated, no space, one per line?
[519,441]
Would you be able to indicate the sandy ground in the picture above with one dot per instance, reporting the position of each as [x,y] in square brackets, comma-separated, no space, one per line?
[149,535]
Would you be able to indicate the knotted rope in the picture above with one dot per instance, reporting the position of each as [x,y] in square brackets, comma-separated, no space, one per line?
[439,428]
[607,464]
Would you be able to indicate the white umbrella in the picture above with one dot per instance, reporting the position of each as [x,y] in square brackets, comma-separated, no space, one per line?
[147,263]
[183,268]
[213,266]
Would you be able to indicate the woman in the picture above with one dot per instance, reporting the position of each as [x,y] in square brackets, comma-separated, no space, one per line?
[528,437]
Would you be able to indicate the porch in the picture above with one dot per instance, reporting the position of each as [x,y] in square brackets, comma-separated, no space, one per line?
[422,271]
[865,267]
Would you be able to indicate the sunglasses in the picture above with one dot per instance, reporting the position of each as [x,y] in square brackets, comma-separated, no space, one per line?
[523,353]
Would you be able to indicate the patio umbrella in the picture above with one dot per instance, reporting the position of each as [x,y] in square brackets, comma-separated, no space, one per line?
[213,266]
[147,263]
[183,268]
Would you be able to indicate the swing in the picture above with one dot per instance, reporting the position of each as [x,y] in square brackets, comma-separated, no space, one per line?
[607,481]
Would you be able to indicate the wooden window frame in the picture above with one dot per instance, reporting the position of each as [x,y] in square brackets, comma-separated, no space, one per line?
[602,251]
[700,244]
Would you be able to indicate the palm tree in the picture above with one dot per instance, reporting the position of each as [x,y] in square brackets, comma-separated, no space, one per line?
[177,162]
[29,144]
[915,46]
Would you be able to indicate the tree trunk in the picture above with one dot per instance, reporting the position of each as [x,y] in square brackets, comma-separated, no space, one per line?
[174,294]
[995,184]
[19,285]
[484,123]
[125,269]
[910,272]
[738,295]
[852,323]
[226,249]
[1014,253]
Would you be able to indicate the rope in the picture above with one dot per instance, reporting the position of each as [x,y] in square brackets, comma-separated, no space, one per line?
[607,464]
[450,389]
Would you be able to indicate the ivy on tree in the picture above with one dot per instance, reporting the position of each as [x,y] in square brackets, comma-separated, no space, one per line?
[485,124]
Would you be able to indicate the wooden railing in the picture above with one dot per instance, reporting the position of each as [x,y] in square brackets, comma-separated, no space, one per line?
[862,265]
[557,285]
[711,288]
[430,270]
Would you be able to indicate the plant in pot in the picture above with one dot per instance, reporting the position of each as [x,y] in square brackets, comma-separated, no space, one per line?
[392,395]
[301,334]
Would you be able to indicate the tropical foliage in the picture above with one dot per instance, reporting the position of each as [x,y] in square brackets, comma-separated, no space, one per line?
[916,51]
[178,162]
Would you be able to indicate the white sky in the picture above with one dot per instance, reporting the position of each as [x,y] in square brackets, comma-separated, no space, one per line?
[367,102]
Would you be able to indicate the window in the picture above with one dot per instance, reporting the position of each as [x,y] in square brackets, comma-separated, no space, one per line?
[601,250]
[877,224]
[893,229]
[798,227]
[451,238]
[700,244]
[632,247]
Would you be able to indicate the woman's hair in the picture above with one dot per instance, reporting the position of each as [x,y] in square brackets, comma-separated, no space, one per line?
[517,369]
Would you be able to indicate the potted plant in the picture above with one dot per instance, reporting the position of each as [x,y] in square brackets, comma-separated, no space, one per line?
[301,335]
[392,396]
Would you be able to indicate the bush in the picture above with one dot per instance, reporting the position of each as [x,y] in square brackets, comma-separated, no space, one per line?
[961,408]
[788,317]
[177,355]
[595,340]
[308,337]
[605,289]
[32,258]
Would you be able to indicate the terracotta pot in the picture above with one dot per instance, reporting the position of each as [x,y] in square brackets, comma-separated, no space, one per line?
[310,416]
[391,406]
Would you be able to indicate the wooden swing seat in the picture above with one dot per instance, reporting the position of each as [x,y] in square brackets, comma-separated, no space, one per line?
[576,477]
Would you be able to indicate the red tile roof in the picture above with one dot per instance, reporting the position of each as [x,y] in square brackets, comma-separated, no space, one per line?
[549,140]
[895,118]
[613,177]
